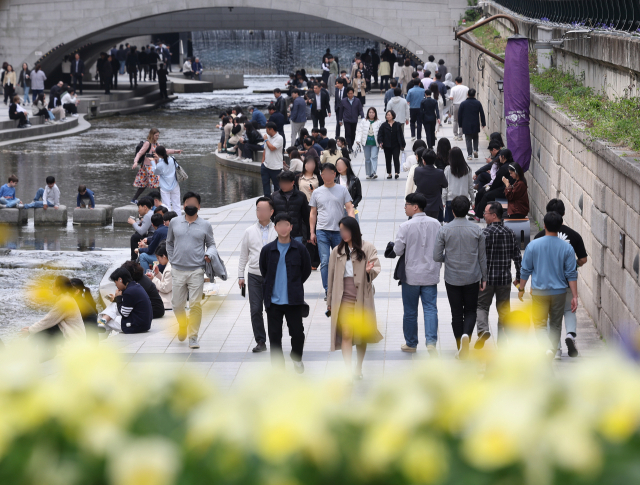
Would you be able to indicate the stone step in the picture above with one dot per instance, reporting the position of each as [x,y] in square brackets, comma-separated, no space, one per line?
[37,129]
[121,215]
[50,216]
[11,124]
[130,102]
[138,109]
[102,215]
[14,216]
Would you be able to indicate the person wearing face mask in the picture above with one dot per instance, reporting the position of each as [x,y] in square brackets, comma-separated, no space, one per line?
[189,244]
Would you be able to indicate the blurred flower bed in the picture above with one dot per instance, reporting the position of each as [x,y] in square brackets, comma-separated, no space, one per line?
[510,419]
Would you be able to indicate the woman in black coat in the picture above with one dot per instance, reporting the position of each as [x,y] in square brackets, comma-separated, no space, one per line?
[391,140]
[347,178]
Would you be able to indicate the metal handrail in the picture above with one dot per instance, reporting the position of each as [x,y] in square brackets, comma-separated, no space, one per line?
[460,33]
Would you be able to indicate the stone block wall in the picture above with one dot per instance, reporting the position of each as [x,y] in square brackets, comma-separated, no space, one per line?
[600,189]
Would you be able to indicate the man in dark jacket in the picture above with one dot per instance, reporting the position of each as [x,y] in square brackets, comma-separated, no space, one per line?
[430,116]
[298,116]
[280,103]
[279,119]
[143,58]
[470,118]
[152,60]
[291,201]
[285,266]
[77,73]
[132,67]
[320,106]
[340,94]
[106,73]
[99,67]
[162,81]
[348,115]
[133,303]
[430,181]
[493,191]
[115,69]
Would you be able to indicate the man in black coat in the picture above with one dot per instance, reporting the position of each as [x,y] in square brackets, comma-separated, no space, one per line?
[429,182]
[132,67]
[285,266]
[115,68]
[77,73]
[162,81]
[348,115]
[470,117]
[280,120]
[291,201]
[430,115]
[320,106]
[152,60]
[106,73]
[340,94]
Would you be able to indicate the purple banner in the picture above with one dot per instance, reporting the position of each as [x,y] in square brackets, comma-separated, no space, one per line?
[516,99]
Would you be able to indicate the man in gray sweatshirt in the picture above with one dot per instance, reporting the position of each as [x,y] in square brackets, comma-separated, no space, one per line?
[189,244]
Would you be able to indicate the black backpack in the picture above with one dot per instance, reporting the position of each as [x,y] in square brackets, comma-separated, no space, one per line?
[139,147]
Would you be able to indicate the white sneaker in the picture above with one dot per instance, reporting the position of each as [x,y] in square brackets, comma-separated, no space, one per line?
[298,367]
[558,355]
[550,354]
[469,157]
[464,347]
[413,138]
[193,342]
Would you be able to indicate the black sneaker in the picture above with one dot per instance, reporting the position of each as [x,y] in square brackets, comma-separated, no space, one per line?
[572,349]
[261,347]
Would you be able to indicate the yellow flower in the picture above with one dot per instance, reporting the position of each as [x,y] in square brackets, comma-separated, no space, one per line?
[144,461]
[424,461]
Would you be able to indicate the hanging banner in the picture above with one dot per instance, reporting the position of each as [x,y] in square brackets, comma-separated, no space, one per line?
[517,98]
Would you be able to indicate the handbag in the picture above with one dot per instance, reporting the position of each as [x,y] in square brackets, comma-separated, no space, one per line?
[181,175]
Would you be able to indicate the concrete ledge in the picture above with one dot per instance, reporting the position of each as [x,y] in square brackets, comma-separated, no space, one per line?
[14,216]
[100,216]
[50,216]
[190,86]
[121,214]
[223,160]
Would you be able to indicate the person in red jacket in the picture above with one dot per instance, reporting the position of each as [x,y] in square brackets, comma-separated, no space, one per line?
[516,194]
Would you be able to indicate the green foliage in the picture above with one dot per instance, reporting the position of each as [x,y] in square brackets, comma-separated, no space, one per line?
[491,39]
[615,120]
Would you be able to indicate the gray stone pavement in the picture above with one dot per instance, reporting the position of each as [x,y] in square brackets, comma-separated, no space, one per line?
[226,336]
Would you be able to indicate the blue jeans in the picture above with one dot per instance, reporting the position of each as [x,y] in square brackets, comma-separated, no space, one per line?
[122,66]
[370,159]
[37,201]
[300,239]
[9,203]
[269,176]
[448,212]
[26,94]
[327,240]
[429,296]
[35,93]
[146,260]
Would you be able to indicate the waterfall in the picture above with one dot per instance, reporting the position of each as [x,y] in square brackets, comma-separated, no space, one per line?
[264,52]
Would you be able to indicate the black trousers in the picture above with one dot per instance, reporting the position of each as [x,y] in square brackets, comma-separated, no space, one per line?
[318,120]
[395,153]
[482,179]
[375,74]
[463,301]
[488,197]
[107,86]
[414,118]
[135,239]
[338,127]
[77,83]
[256,307]
[275,316]
[163,90]
[153,70]
[21,117]
[384,82]
[133,79]
[430,133]
[9,90]
[350,133]
[248,150]
[71,108]
[115,78]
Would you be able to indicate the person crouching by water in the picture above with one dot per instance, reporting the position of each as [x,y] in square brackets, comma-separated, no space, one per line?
[353,266]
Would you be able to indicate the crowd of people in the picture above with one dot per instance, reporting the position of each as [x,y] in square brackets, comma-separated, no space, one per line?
[308,219]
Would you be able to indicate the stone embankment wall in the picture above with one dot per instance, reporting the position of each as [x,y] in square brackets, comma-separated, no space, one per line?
[599,185]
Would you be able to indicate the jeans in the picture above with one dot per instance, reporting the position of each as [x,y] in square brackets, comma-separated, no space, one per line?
[503,304]
[26,93]
[471,139]
[122,66]
[38,203]
[254,285]
[293,314]
[146,260]
[448,212]
[9,203]
[464,305]
[327,240]
[548,310]
[429,296]
[414,118]
[268,176]
[570,320]
[456,128]
[370,159]
[35,93]
[188,283]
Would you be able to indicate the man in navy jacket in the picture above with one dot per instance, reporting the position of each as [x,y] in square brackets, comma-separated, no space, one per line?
[320,106]
[340,94]
[470,117]
[430,115]
[77,73]
[298,116]
[285,266]
[133,303]
[348,114]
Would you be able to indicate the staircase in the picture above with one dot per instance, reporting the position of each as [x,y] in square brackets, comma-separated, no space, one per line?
[98,105]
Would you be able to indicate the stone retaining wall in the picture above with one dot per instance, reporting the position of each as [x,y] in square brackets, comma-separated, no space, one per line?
[600,189]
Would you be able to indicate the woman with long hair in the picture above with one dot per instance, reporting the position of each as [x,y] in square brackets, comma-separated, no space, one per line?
[145,176]
[9,83]
[24,81]
[310,180]
[347,178]
[331,154]
[391,140]
[460,178]
[39,108]
[516,193]
[88,308]
[164,167]
[295,164]
[415,160]
[496,190]
[367,137]
[442,152]
[353,266]
[304,133]
[360,86]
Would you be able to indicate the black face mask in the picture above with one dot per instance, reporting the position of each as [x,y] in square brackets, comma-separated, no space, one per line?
[191,210]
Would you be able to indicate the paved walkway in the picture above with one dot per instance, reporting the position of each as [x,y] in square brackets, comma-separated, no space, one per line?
[226,337]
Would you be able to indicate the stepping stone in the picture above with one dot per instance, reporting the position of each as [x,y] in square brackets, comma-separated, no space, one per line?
[14,216]
[50,216]
[100,216]
[121,214]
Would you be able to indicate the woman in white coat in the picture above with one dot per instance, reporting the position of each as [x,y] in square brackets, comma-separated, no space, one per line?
[367,137]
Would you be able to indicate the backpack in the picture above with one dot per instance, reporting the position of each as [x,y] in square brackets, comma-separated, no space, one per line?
[139,147]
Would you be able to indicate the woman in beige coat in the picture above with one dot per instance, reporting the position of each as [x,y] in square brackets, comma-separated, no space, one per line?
[353,266]
[405,75]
